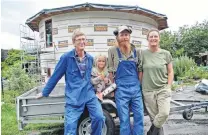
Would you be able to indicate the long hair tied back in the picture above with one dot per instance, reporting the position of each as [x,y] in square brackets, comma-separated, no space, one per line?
[151,30]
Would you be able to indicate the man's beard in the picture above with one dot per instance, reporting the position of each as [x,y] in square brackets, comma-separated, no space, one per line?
[124,43]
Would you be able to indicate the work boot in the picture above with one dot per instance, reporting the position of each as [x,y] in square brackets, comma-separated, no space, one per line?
[153,130]
[161,131]
[150,130]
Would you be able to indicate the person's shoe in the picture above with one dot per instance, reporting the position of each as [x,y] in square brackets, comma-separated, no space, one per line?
[161,131]
[150,130]
[153,130]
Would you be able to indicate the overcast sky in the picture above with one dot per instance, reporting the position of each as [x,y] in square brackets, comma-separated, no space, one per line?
[15,12]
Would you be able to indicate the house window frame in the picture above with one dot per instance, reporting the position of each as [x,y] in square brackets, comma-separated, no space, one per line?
[51,33]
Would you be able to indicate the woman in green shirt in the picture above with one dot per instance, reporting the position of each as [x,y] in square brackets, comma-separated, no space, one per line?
[156,76]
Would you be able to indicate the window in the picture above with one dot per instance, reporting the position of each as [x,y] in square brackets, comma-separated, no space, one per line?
[48,72]
[48,31]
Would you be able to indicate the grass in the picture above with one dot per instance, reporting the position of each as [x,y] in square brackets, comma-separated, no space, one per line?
[9,125]
[9,121]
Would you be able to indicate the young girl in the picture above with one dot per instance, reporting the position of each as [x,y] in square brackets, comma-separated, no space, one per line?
[100,78]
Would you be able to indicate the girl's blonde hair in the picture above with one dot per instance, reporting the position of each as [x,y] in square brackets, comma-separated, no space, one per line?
[96,61]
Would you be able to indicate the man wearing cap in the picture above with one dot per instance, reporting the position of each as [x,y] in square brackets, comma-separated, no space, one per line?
[123,68]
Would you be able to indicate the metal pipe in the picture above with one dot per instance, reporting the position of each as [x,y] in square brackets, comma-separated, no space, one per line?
[189,106]
[43,104]
[177,103]
[108,101]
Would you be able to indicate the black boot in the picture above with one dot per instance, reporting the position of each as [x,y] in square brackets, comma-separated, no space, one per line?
[153,130]
[161,131]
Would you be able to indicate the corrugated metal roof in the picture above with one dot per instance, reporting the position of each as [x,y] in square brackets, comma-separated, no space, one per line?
[33,21]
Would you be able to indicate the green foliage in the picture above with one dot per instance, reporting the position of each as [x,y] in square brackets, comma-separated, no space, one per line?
[14,58]
[179,52]
[19,80]
[9,120]
[9,124]
[10,96]
[186,70]
[182,65]
[169,41]
[197,73]
[195,38]
[188,40]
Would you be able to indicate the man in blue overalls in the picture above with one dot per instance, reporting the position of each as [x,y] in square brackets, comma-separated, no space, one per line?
[123,63]
[76,65]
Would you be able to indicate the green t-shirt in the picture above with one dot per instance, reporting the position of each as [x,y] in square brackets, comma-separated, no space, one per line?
[154,68]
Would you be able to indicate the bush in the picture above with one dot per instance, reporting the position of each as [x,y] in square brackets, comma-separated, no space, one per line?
[186,70]
[9,96]
[182,65]
[19,80]
[197,73]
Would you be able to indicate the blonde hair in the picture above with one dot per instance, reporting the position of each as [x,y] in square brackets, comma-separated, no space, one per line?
[96,61]
[77,33]
[151,30]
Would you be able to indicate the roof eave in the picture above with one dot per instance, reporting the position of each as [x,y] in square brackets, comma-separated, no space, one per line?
[97,7]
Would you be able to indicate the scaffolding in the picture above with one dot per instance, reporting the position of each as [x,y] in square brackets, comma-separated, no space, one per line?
[30,57]
[32,49]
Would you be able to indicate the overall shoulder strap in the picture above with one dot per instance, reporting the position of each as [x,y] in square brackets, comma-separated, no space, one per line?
[119,53]
[135,55]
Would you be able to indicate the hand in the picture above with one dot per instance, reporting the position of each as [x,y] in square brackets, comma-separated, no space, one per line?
[101,77]
[39,95]
[169,86]
[106,80]
[100,96]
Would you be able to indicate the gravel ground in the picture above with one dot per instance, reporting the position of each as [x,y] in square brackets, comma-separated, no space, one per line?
[176,125]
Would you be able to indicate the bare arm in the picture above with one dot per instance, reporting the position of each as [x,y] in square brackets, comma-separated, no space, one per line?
[170,68]
[170,73]
[111,77]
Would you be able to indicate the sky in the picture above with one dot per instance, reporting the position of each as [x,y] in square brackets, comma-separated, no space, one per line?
[16,12]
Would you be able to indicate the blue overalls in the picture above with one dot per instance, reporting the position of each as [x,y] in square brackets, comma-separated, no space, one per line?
[128,96]
[79,93]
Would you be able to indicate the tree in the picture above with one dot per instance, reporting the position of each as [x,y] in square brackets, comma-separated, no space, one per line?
[13,58]
[17,78]
[169,41]
[194,39]
[188,40]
